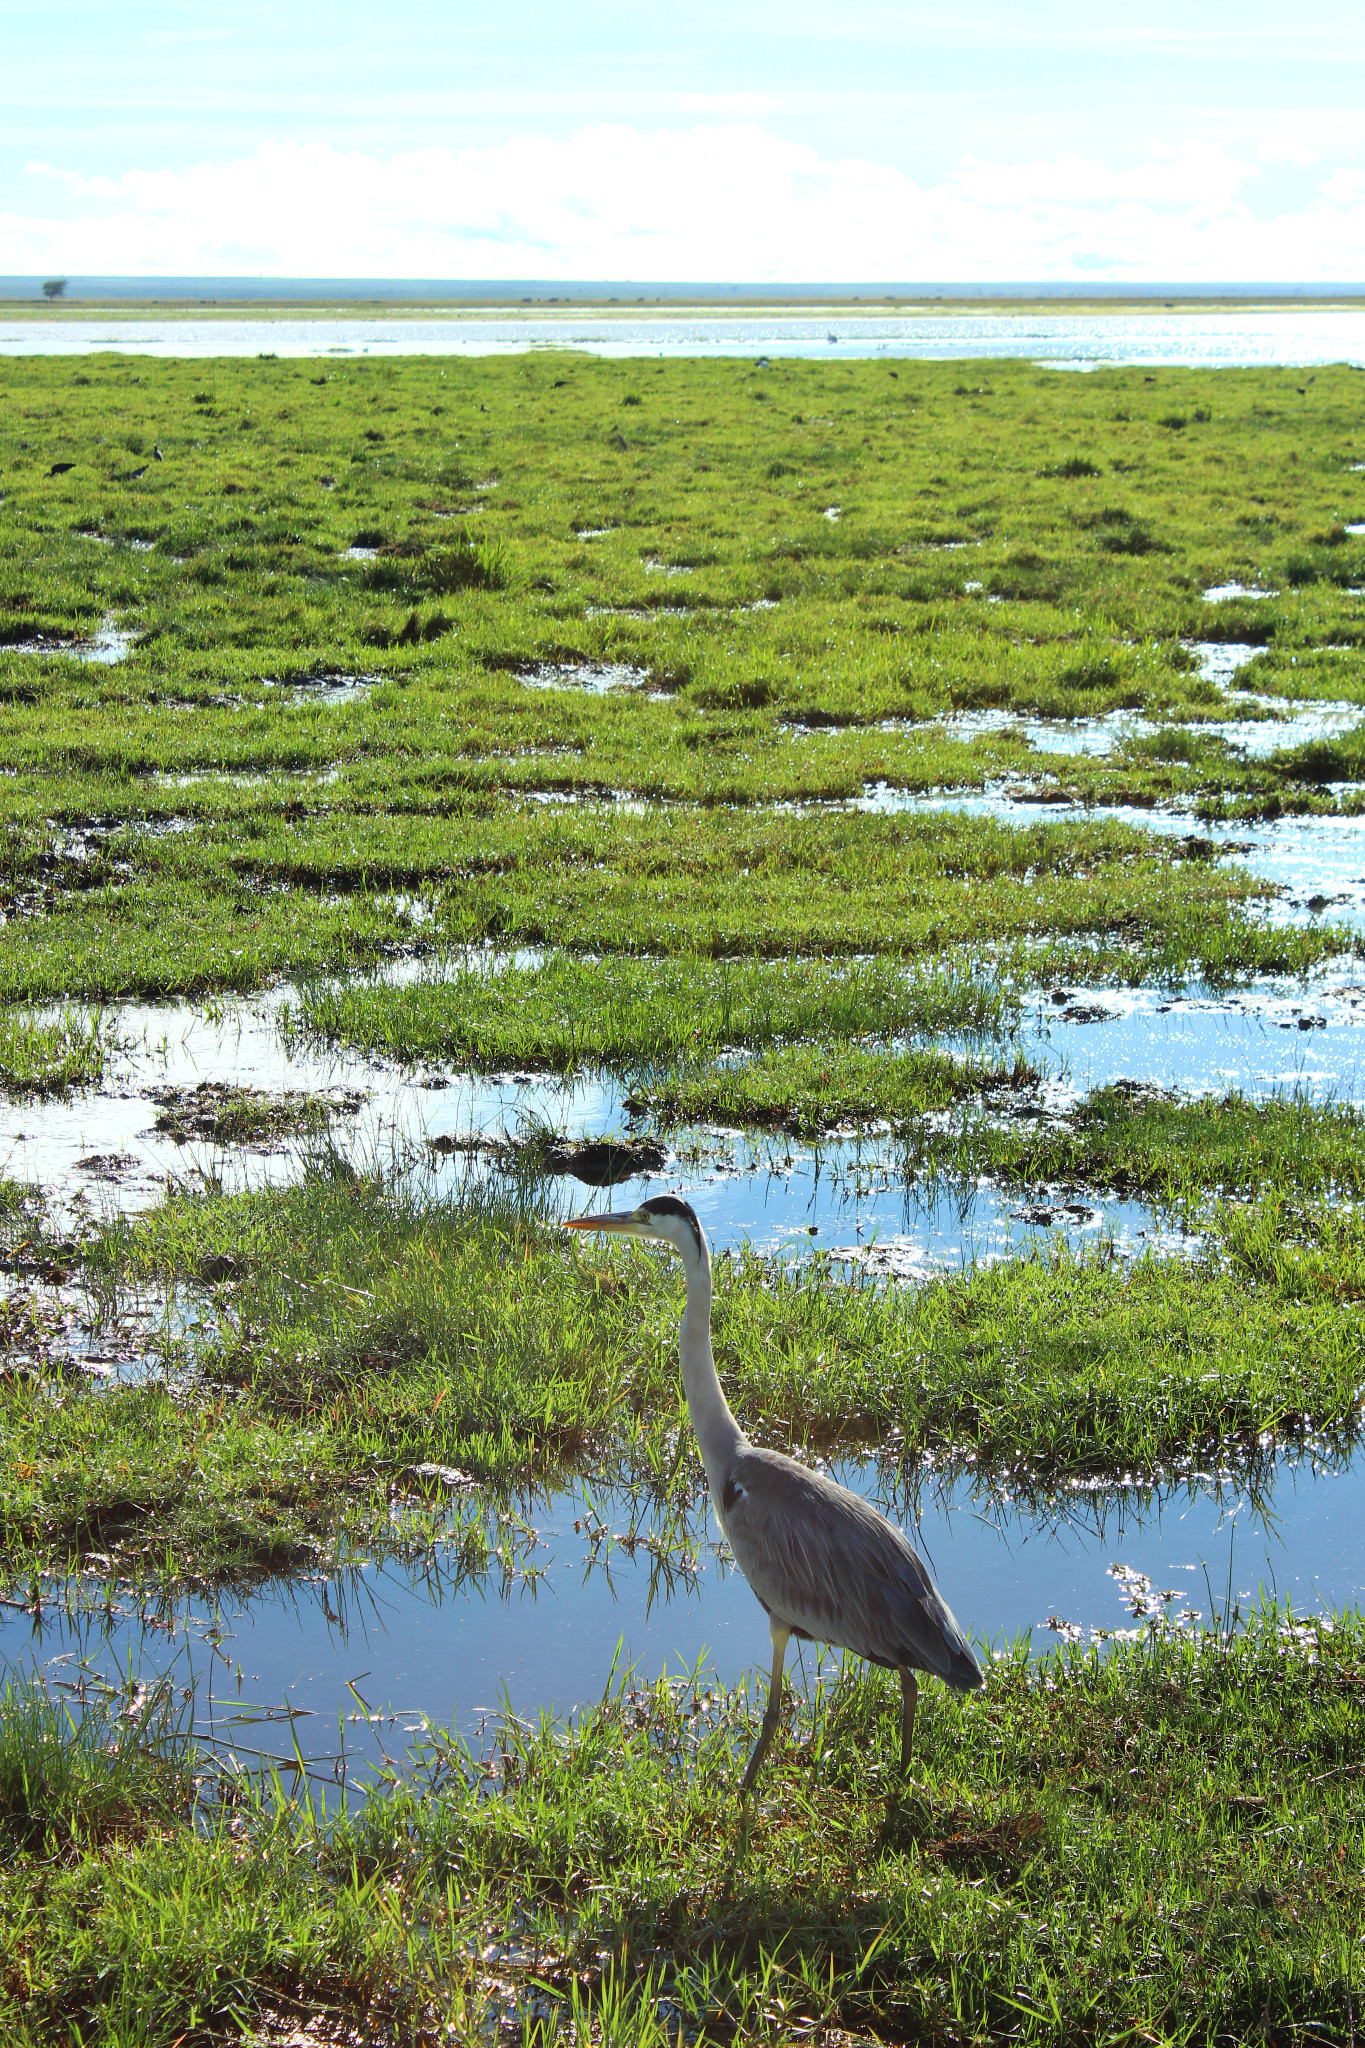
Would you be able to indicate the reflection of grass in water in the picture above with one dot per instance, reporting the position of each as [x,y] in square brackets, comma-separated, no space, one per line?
[1165,1842]
[47,1058]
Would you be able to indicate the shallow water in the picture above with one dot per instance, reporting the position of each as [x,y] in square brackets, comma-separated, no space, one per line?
[1256,738]
[109,645]
[596,677]
[1223,593]
[1206,336]
[365,1659]
[1273,1039]
[98,1153]
[1219,660]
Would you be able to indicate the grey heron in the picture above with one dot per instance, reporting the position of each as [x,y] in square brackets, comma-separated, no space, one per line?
[823,1564]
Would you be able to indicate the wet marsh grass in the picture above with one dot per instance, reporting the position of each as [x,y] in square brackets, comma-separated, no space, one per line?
[49,1056]
[1181,1153]
[242,596]
[330,891]
[808,1090]
[363,1332]
[1161,1843]
[564,1013]
[220,1113]
[1163,1847]
[72,1783]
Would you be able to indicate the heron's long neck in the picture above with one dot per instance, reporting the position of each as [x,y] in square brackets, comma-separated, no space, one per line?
[718,1434]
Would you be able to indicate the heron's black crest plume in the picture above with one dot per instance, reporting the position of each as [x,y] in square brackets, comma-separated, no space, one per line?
[673,1205]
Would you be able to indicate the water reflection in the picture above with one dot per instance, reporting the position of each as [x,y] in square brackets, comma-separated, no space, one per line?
[350,1666]
[1275,1039]
[102,1151]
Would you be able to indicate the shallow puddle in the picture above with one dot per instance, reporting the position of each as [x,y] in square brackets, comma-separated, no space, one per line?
[109,645]
[1223,593]
[101,1152]
[584,1585]
[1219,660]
[1097,738]
[1094,737]
[1305,725]
[1274,1039]
[597,677]
[334,689]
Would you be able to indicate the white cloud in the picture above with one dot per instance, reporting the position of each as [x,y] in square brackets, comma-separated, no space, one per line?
[720,201]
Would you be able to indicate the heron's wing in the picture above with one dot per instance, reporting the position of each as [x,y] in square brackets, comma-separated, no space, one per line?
[828,1565]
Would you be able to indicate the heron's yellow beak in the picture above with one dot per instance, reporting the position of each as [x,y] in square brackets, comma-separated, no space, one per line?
[621,1224]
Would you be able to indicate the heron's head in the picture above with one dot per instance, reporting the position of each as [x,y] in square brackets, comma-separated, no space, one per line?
[664,1217]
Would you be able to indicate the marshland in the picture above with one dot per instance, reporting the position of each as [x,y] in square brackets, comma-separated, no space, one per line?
[914,809]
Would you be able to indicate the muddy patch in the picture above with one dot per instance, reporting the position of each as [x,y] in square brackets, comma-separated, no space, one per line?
[51,1328]
[118,1168]
[334,689]
[224,1113]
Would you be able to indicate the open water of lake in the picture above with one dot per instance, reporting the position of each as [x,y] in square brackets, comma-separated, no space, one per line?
[1206,337]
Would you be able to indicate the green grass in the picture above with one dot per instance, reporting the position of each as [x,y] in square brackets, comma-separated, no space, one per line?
[71,1782]
[334,891]
[1161,1845]
[564,1013]
[1164,1847]
[48,1057]
[140,857]
[1175,1152]
[808,1090]
[362,1333]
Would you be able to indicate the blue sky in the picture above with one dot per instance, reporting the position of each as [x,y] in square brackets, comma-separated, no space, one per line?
[1209,141]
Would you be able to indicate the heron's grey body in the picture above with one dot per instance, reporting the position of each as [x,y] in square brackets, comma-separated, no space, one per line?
[826,1565]
[822,1562]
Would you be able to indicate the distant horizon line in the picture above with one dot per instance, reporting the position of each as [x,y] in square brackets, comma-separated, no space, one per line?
[516,292]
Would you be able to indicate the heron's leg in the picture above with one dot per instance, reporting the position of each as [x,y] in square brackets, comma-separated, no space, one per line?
[769,1728]
[910,1700]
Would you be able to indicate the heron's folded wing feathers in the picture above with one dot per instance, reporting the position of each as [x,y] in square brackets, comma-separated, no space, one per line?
[826,1563]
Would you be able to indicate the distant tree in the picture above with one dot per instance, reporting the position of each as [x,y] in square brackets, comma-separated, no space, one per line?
[55,288]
